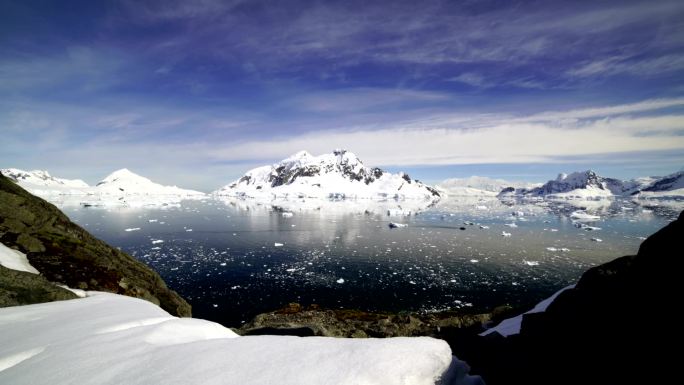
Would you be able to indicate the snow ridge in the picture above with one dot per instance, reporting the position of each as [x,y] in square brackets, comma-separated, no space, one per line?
[589,185]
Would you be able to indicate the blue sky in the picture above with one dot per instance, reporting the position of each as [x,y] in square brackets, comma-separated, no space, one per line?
[195,93]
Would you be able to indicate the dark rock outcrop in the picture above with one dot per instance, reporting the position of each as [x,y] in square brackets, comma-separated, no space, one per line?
[22,288]
[617,326]
[64,252]
[295,319]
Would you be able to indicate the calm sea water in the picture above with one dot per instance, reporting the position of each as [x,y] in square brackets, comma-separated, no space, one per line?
[233,260]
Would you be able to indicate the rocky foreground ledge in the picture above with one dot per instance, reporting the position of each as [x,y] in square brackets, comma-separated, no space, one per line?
[296,319]
[64,253]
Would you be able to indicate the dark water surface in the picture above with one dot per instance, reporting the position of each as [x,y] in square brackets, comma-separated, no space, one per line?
[233,260]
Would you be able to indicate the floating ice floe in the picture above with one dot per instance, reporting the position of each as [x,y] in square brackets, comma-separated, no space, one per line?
[583,216]
[586,227]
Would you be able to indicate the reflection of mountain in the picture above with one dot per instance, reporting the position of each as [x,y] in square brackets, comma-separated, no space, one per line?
[331,207]
[338,175]
[120,188]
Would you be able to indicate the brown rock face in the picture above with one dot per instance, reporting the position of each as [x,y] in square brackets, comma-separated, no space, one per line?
[66,253]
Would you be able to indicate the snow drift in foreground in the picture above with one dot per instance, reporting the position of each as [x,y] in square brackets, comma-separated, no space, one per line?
[512,326]
[120,188]
[337,175]
[111,339]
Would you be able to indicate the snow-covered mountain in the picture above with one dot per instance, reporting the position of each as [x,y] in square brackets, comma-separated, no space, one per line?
[336,175]
[41,178]
[124,183]
[120,188]
[479,186]
[669,186]
[589,185]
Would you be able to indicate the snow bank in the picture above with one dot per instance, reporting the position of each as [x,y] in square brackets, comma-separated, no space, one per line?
[511,326]
[111,339]
[15,260]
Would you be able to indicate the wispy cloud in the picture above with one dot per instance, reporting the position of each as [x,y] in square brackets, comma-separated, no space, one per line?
[644,67]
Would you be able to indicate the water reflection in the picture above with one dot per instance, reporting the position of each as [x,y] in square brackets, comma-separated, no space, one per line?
[233,259]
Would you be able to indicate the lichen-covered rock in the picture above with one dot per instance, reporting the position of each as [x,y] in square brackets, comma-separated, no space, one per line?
[23,288]
[66,253]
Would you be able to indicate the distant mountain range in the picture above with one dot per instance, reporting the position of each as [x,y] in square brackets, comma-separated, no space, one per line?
[480,186]
[121,187]
[336,175]
[589,185]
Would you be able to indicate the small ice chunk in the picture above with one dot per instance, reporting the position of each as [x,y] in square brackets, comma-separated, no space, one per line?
[341,280]
[287,214]
[511,225]
[483,227]
[155,241]
[597,239]
[505,234]
[132,229]
[394,225]
[153,220]
[188,230]
[531,263]
[278,244]
[551,249]
[481,207]
[474,261]
[583,216]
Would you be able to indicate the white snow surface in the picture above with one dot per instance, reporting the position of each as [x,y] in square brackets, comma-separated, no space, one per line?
[111,339]
[15,260]
[337,175]
[120,188]
[511,326]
